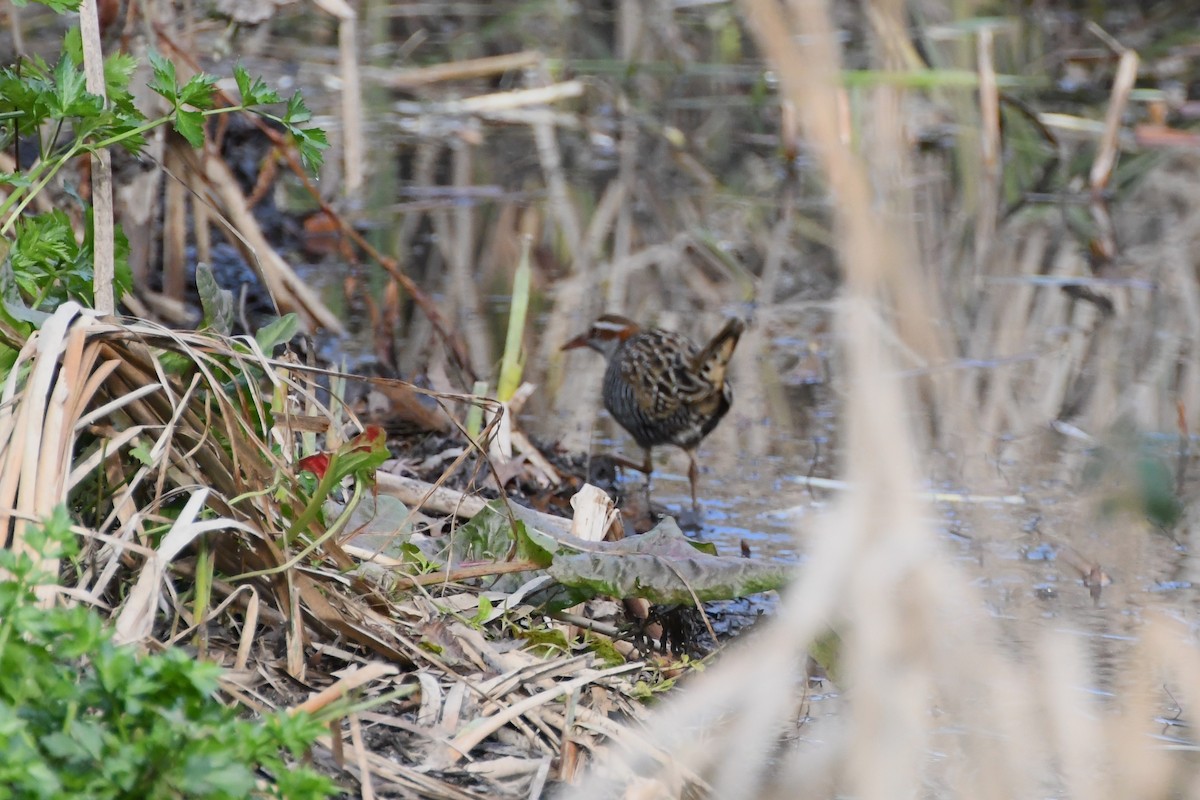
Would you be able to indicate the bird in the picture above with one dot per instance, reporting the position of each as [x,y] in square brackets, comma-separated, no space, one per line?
[660,386]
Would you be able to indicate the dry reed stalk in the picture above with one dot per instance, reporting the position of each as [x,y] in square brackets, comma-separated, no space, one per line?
[202,219]
[347,683]
[360,754]
[572,294]
[987,214]
[1105,243]
[14,25]
[285,287]
[466,69]
[561,204]
[36,435]
[354,152]
[1107,151]
[476,733]
[354,155]
[103,254]
[462,285]
[136,620]
[175,227]
[499,102]
[758,383]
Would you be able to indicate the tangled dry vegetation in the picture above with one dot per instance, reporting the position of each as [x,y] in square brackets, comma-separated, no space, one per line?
[198,533]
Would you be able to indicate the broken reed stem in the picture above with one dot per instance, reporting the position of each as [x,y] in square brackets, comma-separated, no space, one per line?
[989,146]
[463,286]
[1104,242]
[360,676]
[354,155]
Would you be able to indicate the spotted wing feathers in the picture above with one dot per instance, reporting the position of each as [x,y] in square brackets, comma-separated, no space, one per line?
[663,389]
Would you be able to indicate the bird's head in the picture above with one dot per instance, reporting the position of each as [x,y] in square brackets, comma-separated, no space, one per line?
[605,335]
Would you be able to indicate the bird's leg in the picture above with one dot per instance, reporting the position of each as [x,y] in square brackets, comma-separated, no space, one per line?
[647,467]
[693,474]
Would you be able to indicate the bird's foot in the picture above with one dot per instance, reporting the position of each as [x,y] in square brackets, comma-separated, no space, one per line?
[691,519]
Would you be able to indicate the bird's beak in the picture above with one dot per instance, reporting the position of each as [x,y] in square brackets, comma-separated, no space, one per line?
[579,341]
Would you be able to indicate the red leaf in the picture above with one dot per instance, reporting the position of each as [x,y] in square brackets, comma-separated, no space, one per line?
[317,464]
[372,436]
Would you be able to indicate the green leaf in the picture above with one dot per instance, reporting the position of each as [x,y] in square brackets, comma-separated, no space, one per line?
[57,6]
[72,46]
[826,650]
[547,640]
[49,266]
[216,302]
[15,180]
[244,81]
[70,92]
[297,111]
[359,462]
[488,536]
[198,91]
[27,93]
[278,332]
[118,71]
[142,453]
[378,522]
[310,141]
[512,361]
[1159,502]
[209,774]
[190,125]
[164,82]
[605,648]
[254,91]
[81,717]
[484,613]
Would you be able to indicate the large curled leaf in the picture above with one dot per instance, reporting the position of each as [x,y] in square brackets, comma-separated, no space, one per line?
[659,565]
[490,535]
[664,566]
[378,521]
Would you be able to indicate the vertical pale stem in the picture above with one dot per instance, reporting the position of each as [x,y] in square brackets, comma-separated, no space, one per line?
[102,205]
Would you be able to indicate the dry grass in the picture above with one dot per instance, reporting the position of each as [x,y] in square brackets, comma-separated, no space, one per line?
[179,450]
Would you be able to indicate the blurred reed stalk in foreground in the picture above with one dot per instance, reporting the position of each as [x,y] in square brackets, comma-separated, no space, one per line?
[935,704]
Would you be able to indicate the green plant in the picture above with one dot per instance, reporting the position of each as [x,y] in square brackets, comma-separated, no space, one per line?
[83,717]
[48,109]
[513,360]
